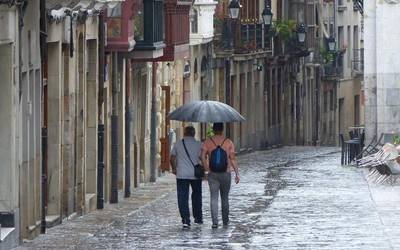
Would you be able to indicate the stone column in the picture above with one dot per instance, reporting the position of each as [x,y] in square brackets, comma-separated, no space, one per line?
[387,66]
[370,69]
[54,128]
[91,123]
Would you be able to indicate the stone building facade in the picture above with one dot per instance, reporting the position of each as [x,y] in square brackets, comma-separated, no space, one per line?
[381,84]
[20,113]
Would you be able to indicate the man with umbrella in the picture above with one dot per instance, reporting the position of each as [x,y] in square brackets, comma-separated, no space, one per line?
[218,157]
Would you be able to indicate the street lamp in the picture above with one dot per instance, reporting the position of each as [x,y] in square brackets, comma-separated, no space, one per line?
[331,44]
[234,7]
[301,33]
[267,15]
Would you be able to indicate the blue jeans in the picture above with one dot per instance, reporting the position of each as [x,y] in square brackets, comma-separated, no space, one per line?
[182,187]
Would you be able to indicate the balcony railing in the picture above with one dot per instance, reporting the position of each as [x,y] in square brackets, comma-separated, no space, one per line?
[330,71]
[358,61]
[240,38]
[252,38]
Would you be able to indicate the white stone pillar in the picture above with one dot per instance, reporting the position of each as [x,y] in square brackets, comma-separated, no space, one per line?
[388,67]
[370,68]
[54,128]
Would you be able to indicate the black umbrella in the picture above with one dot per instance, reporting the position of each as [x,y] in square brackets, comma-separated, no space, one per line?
[206,111]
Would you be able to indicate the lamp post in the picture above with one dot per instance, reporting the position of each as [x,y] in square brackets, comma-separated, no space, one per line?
[267,16]
[234,8]
[267,21]
[301,33]
[331,44]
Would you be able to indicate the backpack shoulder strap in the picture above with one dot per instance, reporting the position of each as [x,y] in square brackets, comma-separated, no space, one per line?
[187,153]
[213,142]
[224,141]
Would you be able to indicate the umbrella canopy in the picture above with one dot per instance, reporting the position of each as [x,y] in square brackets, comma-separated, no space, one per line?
[206,111]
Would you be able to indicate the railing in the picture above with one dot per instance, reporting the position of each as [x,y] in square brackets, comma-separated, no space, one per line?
[358,61]
[222,35]
[250,38]
[330,70]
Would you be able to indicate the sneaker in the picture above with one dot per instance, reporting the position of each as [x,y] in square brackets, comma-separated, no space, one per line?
[185,226]
[214,226]
[198,222]
[226,223]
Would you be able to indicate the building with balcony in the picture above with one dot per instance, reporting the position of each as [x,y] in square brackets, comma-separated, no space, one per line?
[343,72]
[241,48]
[198,73]
[293,74]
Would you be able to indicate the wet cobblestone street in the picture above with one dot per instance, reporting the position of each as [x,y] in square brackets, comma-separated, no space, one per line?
[289,198]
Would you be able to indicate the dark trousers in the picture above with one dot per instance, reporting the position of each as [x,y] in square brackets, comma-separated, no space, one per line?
[182,186]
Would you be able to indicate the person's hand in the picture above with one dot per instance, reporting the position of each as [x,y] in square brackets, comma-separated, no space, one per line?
[237,179]
[174,171]
[205,175]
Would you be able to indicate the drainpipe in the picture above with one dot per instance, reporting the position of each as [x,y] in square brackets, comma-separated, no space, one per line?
[114,132]
[153,129]
[43,53]
[128,119]
[100,132]
[228,92]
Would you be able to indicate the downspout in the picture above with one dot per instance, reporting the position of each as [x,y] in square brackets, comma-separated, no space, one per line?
[228,91]
[153,129]
[128,119]
[21,7]
[114,132]
[100,133]
[43,54]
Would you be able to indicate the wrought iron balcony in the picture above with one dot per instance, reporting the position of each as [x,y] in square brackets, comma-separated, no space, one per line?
[252,38]
[240,38]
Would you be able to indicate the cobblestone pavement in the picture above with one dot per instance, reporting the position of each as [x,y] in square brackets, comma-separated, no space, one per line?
[289,198]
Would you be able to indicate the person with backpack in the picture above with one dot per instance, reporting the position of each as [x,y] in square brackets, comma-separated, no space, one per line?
[185,159]
[218,157]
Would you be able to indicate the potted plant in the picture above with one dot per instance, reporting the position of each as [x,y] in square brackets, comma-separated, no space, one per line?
[396,140]
[285,29]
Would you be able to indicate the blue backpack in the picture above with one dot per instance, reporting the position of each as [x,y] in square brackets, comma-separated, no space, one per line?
[219,159]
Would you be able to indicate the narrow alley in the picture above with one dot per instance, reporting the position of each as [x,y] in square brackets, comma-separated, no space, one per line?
[289,198]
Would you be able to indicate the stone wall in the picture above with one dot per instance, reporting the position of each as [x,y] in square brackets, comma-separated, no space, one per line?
[382,70]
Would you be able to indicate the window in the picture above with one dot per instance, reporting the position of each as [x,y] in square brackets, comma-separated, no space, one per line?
[193,21]
[340,37]
[348,51]
[138,23]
